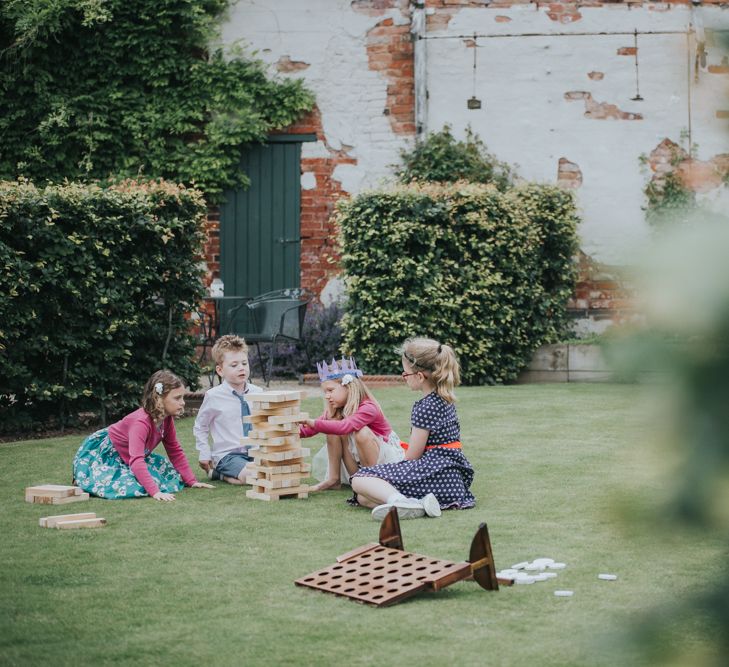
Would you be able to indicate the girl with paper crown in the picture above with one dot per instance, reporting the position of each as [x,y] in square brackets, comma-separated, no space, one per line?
[357,432]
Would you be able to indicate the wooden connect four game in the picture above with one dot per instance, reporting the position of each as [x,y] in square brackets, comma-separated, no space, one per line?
[383,574]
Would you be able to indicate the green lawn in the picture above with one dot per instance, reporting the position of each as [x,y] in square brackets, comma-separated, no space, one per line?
[209,578]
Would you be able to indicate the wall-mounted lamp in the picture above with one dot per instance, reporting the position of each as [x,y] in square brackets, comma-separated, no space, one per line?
[474,102]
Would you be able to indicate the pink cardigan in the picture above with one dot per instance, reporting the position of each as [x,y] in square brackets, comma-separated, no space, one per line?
[367,414]
[135,436]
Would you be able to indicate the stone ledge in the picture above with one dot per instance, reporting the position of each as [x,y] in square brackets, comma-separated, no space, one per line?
[566,362]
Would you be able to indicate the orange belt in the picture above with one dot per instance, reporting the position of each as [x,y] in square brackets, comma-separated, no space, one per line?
[448,445]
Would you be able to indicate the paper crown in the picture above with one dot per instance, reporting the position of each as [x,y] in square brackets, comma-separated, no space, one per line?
[336,370]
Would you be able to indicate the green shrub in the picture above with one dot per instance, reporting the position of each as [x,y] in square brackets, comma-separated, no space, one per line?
[443,159]
[488,272]
[94,286]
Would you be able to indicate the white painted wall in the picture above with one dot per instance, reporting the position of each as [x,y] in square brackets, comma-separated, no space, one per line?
[525,118]
[331,38]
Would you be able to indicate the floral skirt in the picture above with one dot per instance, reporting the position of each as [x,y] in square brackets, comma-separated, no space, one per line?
[99,470]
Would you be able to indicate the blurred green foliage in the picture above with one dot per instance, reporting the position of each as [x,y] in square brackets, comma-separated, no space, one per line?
[684,282]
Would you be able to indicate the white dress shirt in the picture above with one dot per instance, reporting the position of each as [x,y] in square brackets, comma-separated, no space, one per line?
[220,418]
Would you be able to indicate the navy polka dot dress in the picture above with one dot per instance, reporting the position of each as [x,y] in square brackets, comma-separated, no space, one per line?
[442,471]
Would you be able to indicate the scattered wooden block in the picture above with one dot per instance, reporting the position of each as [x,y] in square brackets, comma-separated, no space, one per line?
[55,500]
[97,522]
[50,491]
[71,499]
[51,521]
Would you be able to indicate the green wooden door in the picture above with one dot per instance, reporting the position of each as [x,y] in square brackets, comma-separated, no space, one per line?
[260,227]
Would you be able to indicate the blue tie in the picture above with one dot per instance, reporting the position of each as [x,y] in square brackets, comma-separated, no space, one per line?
[244,410]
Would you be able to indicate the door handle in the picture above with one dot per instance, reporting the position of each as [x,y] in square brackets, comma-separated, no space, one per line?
[284,241]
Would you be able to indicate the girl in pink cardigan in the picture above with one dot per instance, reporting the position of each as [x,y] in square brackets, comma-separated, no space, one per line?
[356,430]
[117,462]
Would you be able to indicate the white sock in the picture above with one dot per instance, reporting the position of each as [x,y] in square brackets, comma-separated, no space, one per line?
[394,497]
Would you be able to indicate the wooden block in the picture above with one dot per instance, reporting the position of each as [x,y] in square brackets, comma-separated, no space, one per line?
[255,419]
[71,499]
[97,522]
[52,490]
[274,397]
[51,521]
[274,484]
[265,427]
[271,406]
[288,419]
[276,411]
[300,492]
[283,469]
[271,475]
[273,433]
[281,440]
[55,500]
[280,456]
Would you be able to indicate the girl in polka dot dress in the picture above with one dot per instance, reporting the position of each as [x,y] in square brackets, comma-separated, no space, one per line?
[435,474]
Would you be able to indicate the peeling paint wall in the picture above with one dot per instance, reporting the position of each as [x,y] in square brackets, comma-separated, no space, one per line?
[561,107]
[547,97]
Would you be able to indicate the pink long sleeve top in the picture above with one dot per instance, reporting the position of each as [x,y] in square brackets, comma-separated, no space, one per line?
[136,435]
[368,414]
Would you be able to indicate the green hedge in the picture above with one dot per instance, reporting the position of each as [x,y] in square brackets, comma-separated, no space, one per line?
[94,287]
[486,271]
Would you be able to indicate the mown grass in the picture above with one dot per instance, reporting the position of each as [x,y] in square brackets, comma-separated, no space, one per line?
[209,578]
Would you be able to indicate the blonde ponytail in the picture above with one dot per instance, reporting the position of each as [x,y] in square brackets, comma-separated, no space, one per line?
[437,360]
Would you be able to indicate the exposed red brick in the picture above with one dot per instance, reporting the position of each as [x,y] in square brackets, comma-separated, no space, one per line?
[627,51]
[285,64]
[596,76]
[396,65]
[502,19]
[697,175]
[718,69]
[376,7]
[564,12]
[601,110]
[569,174]
[722,113]
[601,289]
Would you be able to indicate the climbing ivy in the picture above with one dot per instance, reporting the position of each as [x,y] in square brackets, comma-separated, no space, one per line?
[668,200]
[94,88]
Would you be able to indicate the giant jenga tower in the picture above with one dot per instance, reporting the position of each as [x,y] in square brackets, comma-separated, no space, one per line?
[278,464]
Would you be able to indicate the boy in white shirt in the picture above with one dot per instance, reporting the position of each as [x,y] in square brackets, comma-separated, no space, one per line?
[220,415]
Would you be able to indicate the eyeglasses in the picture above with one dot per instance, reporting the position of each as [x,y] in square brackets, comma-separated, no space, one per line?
[407,375]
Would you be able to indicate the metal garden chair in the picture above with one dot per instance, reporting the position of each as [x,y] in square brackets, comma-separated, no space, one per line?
[272,317]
